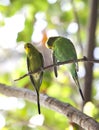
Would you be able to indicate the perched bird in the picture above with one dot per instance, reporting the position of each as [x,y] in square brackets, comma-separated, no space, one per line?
[64,50]
[34,62]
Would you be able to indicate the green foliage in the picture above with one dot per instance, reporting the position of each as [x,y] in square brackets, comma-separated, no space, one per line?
[27,30]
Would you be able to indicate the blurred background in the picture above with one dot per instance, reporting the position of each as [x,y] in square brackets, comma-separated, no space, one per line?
[35,21]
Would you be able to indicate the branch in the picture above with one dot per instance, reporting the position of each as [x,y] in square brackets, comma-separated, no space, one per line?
[65,109]
[91,43]
[84,59]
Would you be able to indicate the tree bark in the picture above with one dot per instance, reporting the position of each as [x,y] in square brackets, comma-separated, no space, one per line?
[90,48]
[66,109]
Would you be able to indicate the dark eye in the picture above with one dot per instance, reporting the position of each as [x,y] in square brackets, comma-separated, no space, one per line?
[28,46]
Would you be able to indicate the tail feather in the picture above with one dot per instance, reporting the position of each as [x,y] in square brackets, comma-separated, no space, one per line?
[80,91]
[38,102]
[37,91]
[55,67]
[81,94]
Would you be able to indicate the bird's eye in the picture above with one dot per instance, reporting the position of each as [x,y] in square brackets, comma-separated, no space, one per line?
[28,46]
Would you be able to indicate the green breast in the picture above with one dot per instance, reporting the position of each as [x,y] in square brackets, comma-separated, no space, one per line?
[35,62]
[64,50]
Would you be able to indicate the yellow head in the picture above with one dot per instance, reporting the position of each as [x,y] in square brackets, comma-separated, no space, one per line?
[30,49]
[27,47]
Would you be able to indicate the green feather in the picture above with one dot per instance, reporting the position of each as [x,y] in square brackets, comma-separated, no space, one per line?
[34,62]
[64,50]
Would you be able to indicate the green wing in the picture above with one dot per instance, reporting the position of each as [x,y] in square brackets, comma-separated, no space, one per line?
[31,77]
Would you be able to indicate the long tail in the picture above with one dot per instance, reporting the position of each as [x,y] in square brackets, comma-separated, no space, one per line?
[37,92]
[38,102]
[80,91]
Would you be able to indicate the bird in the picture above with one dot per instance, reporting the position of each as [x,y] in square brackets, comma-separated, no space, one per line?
[34,62]
[64,50]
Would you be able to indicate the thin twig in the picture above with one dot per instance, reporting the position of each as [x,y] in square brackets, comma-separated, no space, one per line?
[84,59]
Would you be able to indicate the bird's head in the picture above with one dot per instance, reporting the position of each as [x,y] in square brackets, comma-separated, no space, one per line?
[50,42]
[28,47]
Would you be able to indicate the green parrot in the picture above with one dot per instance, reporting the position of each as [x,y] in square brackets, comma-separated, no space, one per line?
[64,50]
[34,62]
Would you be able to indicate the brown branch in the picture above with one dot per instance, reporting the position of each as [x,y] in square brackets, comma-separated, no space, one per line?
[84,59]
[65,109]
[91,43]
